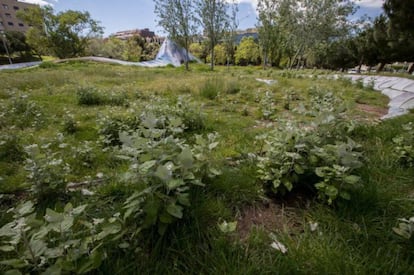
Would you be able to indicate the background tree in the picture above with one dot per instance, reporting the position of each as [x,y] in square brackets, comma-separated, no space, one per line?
[177,18]
[65,34]
[220,57]
[199,50]
[215,22]
[247,52]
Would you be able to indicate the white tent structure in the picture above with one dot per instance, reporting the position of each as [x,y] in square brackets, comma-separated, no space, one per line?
[170,53]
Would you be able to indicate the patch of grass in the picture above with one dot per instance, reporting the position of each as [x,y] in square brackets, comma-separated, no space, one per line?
[353,237]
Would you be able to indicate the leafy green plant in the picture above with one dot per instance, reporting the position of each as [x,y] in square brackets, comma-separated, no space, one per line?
[267,105]
[61,242]
[90,96]
[211,88]
[47,173]
[22,113]
[10,148]
[166,169]
[404,146]
[69,124]
[293,157]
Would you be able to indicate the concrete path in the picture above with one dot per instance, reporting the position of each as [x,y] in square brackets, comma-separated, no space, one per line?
[399,90]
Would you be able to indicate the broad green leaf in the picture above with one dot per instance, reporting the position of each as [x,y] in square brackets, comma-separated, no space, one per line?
[53,270]
[163,173]
[125,138]
[151,209]
[298,169]
[12,272]
[53,217]
[184,199]
[352,179]
[175,183]
[331,191]
[288,184]
[320,171]
[345,195]
[227,227]
[66,224]
[107,230]
[8,229]
[186,158]
[92,262]
[16,263]
[175,210]
[68,207]
[79,210]
[6,248]
[144,168]
[38,247]
[25,208]
[150,121]
[213,145]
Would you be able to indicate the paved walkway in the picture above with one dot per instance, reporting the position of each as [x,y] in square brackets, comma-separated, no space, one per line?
[399,90]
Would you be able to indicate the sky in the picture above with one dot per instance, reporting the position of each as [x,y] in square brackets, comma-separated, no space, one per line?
[138,14]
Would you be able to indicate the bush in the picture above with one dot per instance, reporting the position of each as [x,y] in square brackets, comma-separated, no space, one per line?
[89,96]
[211,88]
[10,148]
[404,146]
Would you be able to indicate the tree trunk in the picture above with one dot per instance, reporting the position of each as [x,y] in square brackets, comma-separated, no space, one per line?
[186,55]
[360,65]
[410,68]
[212,56]
[380,67]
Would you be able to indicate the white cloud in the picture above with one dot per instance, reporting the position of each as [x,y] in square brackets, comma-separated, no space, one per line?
[38,2]
[370,3]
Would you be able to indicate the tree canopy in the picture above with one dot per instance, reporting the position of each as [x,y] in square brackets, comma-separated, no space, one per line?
[65,34]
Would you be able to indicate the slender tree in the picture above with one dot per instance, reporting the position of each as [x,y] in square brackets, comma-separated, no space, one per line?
[177,18]
[215,22]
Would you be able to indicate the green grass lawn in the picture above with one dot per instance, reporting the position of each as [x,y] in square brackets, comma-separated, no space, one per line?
[60,124]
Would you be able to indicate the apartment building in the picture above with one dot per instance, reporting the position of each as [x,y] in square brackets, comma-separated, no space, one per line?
[8,18]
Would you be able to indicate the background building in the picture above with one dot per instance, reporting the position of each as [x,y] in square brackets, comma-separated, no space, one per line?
[124,35]
[8,18]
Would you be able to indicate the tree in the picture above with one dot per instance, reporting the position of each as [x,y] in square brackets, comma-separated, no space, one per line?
[65,34]
[215,21]
[401,15]
[270,30]
[199,50]
[220,57]
[177,18]
[16,42]
[247,52]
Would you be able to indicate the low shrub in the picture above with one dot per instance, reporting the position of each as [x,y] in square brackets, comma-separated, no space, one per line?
[211,88]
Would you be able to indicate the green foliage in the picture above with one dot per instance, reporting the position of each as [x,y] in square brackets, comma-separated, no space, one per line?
[11,148]
[247,52]
[318,157]
[91,96]
[65,34]
[69,124]
[61,242]
[404,146]
[47,173]
[21,112]
[165,168]
[211,88]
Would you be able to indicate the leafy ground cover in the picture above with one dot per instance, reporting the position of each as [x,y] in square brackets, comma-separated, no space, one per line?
[112,169]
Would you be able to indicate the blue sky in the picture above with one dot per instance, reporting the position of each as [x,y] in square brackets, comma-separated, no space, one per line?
[132,14]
